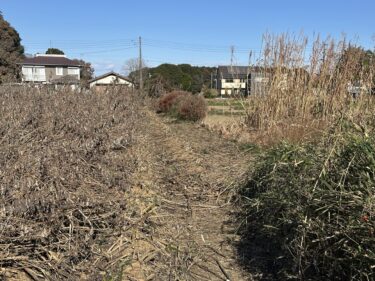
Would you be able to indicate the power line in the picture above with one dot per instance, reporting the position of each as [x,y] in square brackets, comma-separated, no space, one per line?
[194,46]
[83,44]
[88,47]
[104,51]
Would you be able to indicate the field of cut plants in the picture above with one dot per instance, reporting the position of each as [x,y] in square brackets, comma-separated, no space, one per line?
[66,164]
[98,187]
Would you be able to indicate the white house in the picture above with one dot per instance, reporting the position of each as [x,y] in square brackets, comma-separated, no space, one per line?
[241,80]
[50,69]
[110,79]
[232,80]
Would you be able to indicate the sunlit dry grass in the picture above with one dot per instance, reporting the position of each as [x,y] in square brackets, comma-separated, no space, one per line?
[308,86]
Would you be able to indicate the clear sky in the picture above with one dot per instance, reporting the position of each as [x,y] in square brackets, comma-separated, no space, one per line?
[105,33]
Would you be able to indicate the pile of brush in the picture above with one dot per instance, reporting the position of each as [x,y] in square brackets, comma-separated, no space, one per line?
[64,170]
[309,210]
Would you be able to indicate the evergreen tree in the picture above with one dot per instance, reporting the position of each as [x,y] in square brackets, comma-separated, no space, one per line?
[11,52]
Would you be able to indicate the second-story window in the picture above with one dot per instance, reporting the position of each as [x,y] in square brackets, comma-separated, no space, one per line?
[229,80]
[73,71]
[59,71]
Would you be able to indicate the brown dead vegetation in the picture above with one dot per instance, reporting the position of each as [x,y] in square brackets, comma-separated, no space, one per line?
[96,187]
[308,87]
[183,105]
[65,167]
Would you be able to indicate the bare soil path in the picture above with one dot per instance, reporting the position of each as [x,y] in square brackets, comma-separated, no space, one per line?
[182,189]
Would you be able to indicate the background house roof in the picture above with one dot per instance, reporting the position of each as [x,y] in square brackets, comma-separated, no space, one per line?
[239,72]
[49,60]
[108,74]
[227,71]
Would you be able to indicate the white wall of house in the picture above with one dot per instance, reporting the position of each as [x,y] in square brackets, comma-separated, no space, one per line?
[109,80]
[74,71]
[232,86]
[34,73]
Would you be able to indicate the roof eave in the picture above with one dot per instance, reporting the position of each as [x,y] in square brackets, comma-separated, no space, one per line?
[49,64]
[108,74]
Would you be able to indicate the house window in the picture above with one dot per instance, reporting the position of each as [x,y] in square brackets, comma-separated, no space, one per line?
[59,71]
[229,80]
[73,71]
[27,73]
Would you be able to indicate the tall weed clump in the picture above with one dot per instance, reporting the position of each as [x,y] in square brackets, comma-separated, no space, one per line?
[306,83]
[310,209]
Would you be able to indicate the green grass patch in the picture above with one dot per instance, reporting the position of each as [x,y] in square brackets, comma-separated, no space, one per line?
[308,211]
[224,102]
[250,147]
[225,112]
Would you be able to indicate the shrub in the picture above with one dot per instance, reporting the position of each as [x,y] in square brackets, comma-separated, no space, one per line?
[191,108]
[183,105]
[312,209]
[209,93]
[167,101]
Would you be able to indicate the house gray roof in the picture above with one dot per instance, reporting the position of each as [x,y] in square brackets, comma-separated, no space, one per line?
[108,74]
[42,60]
[227,71]
[239,72]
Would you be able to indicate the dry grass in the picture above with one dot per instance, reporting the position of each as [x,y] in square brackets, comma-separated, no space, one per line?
[312,89]
[306,91]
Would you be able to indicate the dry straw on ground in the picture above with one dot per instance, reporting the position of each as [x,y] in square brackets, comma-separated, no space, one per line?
[63,176]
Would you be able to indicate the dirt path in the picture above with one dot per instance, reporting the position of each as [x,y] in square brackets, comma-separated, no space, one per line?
[181,189]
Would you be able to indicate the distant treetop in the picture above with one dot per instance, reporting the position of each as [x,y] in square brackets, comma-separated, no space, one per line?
[54,51]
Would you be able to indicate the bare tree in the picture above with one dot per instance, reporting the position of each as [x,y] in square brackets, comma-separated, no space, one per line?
[131,69]
[132,65]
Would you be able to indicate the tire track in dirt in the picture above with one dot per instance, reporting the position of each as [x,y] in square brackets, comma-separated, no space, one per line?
[185,174]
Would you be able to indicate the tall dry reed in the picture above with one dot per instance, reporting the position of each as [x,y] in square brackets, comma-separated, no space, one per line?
[307,84]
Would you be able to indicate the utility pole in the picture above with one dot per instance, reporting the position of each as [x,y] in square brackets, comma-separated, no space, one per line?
[231,66]
[231,56]
[140,65]
[248,74]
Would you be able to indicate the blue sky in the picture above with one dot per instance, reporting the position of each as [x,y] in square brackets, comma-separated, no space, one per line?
[196,32]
